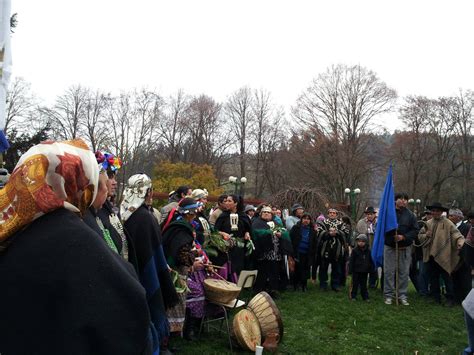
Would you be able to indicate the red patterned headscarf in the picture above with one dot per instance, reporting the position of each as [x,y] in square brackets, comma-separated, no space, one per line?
[49,176]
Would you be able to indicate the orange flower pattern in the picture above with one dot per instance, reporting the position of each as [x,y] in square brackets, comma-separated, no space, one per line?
[46,177]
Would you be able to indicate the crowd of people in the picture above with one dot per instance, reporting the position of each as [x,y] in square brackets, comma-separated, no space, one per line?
[83,274]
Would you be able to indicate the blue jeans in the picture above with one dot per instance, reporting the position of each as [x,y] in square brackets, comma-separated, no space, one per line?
[470,333]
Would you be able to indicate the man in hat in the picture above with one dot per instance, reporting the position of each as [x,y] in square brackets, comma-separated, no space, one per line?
[366,226]
[250,211]
[442,240]
[397,252]
[296,212]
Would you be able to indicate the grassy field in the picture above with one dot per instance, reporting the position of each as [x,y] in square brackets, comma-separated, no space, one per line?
[325,322]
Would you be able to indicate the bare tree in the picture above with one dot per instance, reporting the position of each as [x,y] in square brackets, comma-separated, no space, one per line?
[412,147]
[145,123]
[444,163]
[425,152]
[268,135]
[239,111]
[208,139]
[21,102]
[96,129]
[463,114]
[67,114]
[173,128]
[133,118]
[338,110]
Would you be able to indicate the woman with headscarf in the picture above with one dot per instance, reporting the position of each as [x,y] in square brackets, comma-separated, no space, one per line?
[102,227]
[184,254]
[272,242]
[144,231]
[110,164]
[236,224]
[64,291]
[201,222]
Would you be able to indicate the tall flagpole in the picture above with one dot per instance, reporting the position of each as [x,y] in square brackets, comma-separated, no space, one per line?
[397,272]
[5,65]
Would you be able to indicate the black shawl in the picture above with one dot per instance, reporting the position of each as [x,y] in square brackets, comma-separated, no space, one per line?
[65,292]
[90,218]
[262,237]
[177,236]
[153,272]
[104,214]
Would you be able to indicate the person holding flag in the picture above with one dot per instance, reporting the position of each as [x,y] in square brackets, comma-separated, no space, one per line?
[396,229]
[397,252]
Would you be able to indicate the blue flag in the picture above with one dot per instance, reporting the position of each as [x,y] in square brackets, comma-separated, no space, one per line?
[386,220]
[4,145]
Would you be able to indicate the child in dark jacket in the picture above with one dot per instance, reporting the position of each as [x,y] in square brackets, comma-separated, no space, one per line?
[360,265]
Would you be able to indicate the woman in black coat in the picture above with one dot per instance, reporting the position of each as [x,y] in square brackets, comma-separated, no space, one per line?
[235,222]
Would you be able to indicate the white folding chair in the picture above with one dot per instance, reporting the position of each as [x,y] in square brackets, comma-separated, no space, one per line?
[246,280]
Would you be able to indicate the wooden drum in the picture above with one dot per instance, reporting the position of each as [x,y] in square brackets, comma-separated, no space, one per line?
[268,314]
[220,291]
[247,330]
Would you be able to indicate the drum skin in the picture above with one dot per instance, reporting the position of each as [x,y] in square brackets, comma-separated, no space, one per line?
[247,330]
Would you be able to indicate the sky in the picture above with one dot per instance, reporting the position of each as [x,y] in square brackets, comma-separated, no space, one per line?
[217,46]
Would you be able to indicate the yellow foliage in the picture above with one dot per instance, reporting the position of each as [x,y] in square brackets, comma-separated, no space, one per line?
[169,176]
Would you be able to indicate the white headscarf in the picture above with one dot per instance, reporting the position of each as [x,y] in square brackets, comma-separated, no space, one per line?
[134,195]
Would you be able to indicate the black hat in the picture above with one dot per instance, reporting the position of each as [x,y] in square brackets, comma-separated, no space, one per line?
[295,207]
[437,206]
[369,209]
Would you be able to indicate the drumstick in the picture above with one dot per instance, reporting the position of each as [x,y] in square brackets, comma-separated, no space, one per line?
[217,267]
[220,276]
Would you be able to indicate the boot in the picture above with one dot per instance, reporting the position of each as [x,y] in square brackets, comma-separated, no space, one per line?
[189,330]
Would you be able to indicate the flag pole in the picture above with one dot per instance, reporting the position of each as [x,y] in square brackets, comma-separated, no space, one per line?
[397,256]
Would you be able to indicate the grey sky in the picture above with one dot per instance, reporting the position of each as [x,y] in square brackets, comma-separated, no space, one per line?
[215,47]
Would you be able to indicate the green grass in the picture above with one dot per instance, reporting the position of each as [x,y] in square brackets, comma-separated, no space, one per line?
[325,322]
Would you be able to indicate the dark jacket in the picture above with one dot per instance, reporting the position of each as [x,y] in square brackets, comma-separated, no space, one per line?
[295,235]
[407,226]
[153,273]
[177,244]
[236,254]
[360,260]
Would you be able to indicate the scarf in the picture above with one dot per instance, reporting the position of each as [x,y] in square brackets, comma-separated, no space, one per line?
[134,195]
[49,176]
